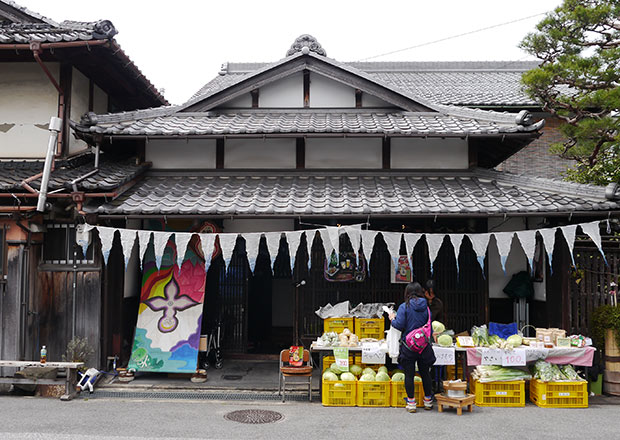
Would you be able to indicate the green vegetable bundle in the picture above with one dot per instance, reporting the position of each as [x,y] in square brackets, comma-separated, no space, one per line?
[546,372]
[480,335]
[496,373]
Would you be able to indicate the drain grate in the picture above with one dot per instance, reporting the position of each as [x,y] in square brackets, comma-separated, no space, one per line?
[232,377]
[253,416]
[189,395]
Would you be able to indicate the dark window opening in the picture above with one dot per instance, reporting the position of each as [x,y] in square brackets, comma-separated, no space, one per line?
[59,246]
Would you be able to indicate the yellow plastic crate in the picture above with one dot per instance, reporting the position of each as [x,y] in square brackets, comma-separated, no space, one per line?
[328,360]
[450,371]
[559,394]
[398,394]
[370,328]
[501,394]
[373,394]
[339,393]
[338,324]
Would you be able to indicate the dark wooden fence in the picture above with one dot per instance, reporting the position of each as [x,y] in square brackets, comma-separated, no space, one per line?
[590,281]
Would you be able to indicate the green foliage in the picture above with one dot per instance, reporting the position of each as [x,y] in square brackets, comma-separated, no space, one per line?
[578,81]
[604,318]
[78,350]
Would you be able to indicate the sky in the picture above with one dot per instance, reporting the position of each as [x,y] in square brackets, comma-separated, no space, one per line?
[180,45]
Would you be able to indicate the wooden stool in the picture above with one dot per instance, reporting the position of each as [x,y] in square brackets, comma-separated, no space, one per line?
[456,402]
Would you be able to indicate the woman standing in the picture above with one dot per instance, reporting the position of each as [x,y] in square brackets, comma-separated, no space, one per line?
[413,314]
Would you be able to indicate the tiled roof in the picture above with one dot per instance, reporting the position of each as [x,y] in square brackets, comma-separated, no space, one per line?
[50,33]
[352,193]
[170,122]
[457,83]
[111,175]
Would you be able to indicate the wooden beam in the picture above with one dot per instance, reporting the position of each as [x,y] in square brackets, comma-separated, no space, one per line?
[386,153]
[219,153]
[91,95]
[66,78]
[306,89]
[300,152]
[358,98]
[254,94]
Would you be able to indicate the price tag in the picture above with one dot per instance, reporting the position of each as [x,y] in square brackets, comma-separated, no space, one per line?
[465,341]
[491,356]
[444,355]
[513,358]
[372,353]
[341,357]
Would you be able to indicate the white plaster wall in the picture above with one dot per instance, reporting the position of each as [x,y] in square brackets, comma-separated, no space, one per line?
[79,106]
[181,153]
[100,100]
[373,101]
[429,153]
[259,153]
[516,262]
[27,102]
[258,225]
[327,93]
[343,153]
[287,92]
[243,101]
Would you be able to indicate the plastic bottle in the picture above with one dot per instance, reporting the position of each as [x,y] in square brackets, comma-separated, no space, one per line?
[43,354]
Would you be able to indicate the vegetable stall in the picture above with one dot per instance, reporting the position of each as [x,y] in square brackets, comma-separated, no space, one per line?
[363,371]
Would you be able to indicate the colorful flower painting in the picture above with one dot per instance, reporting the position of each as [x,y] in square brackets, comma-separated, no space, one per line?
[170,314]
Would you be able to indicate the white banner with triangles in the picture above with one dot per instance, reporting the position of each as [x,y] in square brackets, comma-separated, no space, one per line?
[362,241]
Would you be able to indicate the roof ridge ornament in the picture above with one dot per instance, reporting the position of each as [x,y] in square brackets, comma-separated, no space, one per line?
[306,43]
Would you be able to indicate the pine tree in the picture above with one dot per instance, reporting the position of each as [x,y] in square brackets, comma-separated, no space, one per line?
[578,81]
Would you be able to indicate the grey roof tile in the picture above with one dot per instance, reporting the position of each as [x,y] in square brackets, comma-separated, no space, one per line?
[291,193]
[112,173]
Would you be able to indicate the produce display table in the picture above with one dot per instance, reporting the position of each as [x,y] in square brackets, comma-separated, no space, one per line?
[575,356]
[69,381]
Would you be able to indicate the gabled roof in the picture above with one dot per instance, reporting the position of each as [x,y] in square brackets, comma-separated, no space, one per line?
[476,84]
[313,62]
[357,194]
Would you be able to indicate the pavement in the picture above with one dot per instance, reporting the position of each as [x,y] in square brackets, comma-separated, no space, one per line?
[106,419]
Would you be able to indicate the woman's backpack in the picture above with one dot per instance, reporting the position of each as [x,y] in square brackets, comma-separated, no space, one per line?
[417,339]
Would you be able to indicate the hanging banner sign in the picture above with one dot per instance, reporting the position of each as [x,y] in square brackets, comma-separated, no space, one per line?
[513,358]
[491,356]
[372,353]
[341,357]
[444,355]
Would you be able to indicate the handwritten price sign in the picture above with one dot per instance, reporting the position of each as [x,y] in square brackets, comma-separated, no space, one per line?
[372,353]
[491,356]
[513,358]
[444,355]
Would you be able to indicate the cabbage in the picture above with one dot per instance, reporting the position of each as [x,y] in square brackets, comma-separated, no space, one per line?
[367,378]
[417,379]
[514,340]
[398,377]
[356,370]
[347,377]
[382,377]
[329,375]
[445,340]
[335,368]
[382,368]
[369,370]
[438,327]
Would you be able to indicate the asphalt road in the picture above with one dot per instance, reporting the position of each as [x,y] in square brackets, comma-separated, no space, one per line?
[40,418]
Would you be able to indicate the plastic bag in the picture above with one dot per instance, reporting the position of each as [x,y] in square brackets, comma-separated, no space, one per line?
[393,342]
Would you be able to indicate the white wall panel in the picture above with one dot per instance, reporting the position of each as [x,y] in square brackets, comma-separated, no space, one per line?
[429,153]
[173,153]
[286,92]
[259,153]
[79,106]
[327,93]
[343,153]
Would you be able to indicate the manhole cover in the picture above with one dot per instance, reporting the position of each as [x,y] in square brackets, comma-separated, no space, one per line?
[253,416]
[231,377]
